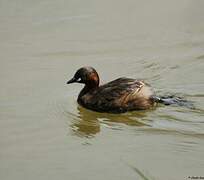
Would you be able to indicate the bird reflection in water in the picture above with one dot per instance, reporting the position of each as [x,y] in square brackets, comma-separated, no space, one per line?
[88,123]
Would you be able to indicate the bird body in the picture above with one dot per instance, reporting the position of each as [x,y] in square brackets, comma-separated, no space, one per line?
[117,96]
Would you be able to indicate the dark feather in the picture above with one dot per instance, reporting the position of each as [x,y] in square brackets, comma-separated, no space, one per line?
[119,95]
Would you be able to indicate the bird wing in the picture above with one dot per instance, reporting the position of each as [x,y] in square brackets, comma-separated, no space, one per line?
[115,93]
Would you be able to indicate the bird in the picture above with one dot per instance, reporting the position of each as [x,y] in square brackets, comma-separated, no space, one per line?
[118,96]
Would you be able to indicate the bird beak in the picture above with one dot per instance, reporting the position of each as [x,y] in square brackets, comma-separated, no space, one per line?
[72,80]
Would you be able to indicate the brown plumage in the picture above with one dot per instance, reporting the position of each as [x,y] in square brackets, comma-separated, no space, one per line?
[120,95]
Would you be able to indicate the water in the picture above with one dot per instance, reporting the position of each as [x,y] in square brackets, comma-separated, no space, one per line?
[44,134]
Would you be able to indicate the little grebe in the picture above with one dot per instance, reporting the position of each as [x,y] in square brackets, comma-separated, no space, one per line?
[120,95]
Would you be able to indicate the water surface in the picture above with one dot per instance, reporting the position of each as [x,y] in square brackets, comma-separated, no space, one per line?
[44,134]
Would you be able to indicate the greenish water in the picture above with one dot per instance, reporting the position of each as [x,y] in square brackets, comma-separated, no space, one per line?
[44,134]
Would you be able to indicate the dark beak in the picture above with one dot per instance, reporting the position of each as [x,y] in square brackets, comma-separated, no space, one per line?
[72,80]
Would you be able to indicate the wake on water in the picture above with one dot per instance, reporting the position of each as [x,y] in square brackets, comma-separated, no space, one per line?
[174,100]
